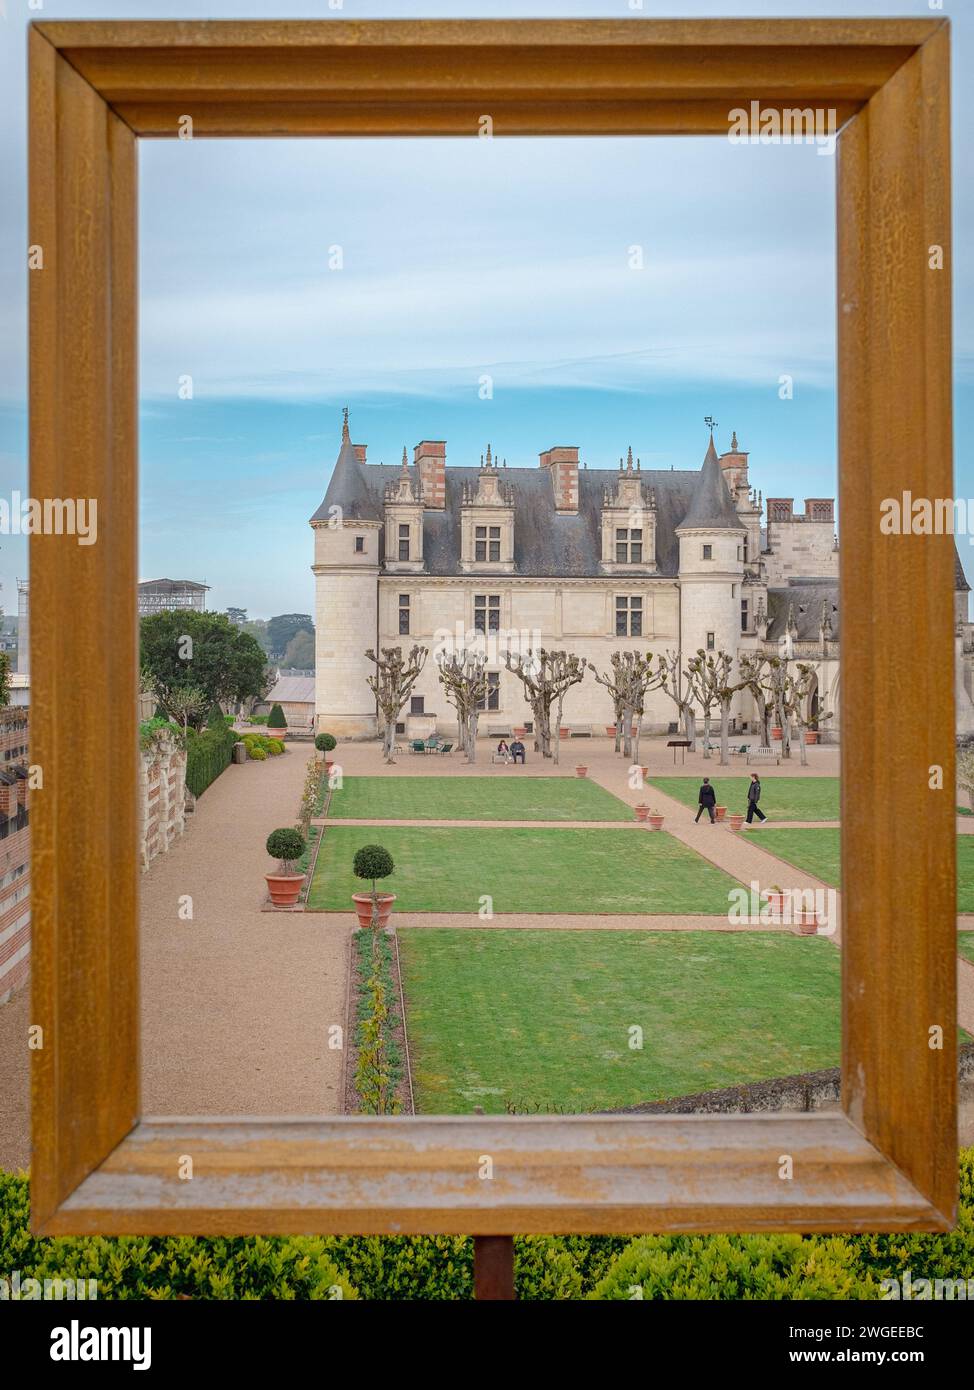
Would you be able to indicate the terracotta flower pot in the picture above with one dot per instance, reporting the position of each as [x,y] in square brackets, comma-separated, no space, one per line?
[383,908]
[806,921]
[329,764]
[284,889]
[645,772]
[811,735]
[610,729]
[642,812]
[776,903]
[564,732]
[656,822]
[721,812]
[276,733]
[735,821]
[776,733]
[581,772]
[520,733]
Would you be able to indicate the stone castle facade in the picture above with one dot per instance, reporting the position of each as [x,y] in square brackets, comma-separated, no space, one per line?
[592,560]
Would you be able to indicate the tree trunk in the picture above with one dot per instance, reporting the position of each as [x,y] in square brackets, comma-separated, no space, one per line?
[706,732]
[472,735]
[620,715]
[802,750]
[388,740]
[724,730]
[627,732]
[639,729]
[557,757]
[690,727]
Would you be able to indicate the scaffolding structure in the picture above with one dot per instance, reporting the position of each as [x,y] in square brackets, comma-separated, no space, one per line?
[164,595]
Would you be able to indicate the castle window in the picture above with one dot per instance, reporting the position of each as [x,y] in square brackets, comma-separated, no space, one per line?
[404,541]
[487,543]
[487,612]
[359,544]
[744,615]
[417,704]
[629,546]
[492,700]
[403,615]
[710,641]
[708,552]
[629,616]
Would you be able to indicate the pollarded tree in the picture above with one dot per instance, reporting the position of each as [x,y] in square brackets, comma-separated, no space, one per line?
[726,690]
[546,677]
[463,676]
[629,681]
[395,676]
[703,682]
[797,699]
[754,678]
[671,680]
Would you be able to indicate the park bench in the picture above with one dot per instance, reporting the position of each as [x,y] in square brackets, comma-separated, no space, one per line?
[763,755]
[499,731]
[741,751]
[580,730]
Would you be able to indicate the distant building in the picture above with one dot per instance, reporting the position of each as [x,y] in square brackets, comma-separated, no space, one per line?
[296,697]
[14,853]
[23,627]
[166,595]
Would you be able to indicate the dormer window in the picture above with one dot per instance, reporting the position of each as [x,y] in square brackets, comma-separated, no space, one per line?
[629,545]
[404,540]
[487,544]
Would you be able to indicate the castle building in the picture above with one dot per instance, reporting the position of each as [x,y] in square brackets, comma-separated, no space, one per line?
[592,560]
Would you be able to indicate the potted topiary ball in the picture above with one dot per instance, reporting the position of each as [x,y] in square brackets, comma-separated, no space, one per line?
[324,744]
[373,862]
[276,723]
[287,845]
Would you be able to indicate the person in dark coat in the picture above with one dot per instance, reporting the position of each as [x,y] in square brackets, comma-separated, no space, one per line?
[753,797]
[708,800]
[517,751]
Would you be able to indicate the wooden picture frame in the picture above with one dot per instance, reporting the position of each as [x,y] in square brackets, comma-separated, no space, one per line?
[888,1161]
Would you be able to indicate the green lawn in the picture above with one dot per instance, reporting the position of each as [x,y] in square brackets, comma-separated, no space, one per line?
[816,849]
[965,945]
[542,1019]
[508,797]
[524,870]
[782,798]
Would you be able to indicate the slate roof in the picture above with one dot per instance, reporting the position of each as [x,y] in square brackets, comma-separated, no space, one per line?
[292,690]
[711,506]
[806,597]
[545,543]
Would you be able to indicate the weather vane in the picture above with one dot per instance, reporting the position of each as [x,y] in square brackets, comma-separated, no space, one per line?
[710,422]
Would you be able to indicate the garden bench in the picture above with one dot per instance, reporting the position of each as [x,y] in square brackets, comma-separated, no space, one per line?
[763,755]
[740,752]
[580,730]
[499,731]
[417,746]
[500,758]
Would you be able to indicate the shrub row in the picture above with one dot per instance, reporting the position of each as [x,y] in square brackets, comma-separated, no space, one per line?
[260,745]
[207,755]
[441,1267]
[378,1070]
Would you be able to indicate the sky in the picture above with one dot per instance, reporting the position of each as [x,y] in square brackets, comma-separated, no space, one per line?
[460,260]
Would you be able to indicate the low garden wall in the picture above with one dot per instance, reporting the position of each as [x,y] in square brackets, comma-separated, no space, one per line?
[811,1090]
[162,788]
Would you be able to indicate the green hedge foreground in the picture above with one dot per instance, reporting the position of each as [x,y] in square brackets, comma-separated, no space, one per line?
[207,755]
[441,1267]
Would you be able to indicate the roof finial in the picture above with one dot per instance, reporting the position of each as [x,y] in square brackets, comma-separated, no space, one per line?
[489,465]
[629,460]
[734,442]
[405,461]
[345,434]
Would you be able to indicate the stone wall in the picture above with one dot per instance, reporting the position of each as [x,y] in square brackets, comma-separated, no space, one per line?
[162,788]
[812,1090]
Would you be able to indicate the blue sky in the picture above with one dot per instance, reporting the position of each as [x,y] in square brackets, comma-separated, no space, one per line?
[460,258]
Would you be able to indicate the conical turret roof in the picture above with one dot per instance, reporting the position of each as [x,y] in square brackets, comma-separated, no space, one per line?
[346,488]
[711,508]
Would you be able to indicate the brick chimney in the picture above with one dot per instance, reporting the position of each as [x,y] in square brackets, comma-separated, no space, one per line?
[561,462]
[360,452]
[430,458]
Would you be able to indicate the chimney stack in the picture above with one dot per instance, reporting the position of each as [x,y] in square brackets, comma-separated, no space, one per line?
[360,452]
[429,457]
[561,462]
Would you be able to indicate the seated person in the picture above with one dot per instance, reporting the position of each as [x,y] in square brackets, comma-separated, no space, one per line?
[517,750]
[503,751]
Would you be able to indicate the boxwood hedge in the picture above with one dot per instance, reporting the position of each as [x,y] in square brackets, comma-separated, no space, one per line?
[441,1267]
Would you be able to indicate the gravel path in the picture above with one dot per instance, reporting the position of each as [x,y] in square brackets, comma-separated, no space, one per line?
[236,1003]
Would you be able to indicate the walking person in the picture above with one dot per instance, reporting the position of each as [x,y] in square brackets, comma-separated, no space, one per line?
[753,797]
[707,798]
